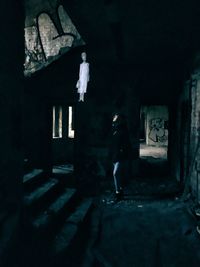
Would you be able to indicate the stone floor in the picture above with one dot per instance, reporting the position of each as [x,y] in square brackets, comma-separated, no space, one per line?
[138,233]
[150,227]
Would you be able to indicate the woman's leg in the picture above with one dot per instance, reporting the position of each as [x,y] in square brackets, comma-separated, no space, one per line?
[117,176]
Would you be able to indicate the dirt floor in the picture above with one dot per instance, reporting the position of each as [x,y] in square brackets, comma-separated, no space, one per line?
[142,233]
[150,227]
[146,233]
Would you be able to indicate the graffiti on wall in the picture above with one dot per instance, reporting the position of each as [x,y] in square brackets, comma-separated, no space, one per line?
[48,38]
[158,130]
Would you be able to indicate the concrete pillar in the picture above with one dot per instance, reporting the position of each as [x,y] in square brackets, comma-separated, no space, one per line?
[81,138]
[133,118]
[37,130]
[46,139]
[11,100]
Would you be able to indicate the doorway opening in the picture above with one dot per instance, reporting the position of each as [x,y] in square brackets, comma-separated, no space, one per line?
[154,134]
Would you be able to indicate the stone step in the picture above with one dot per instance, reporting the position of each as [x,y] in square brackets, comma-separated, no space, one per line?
[40,192]
[67,234]
[29,176]
[33,179]
[47,216]
[63,169]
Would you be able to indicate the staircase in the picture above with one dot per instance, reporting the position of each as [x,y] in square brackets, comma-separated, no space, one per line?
[55,222]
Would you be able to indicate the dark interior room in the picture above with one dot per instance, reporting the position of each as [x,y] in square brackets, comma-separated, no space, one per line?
[100,133]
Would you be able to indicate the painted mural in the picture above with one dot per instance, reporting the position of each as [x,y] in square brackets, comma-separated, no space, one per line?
[49,33]
[158,130]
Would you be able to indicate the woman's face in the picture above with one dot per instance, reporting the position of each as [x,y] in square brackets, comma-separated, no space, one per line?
[83,56]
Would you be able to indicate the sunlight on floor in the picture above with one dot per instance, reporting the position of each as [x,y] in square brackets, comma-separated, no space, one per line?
[153,151]
[63,169]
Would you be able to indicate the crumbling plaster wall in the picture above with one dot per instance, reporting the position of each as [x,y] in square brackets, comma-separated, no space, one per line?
[195,134]
[185,146]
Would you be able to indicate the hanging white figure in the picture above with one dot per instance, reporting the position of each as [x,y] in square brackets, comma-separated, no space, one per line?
[84,77]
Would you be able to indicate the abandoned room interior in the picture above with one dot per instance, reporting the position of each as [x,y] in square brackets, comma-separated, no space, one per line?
[66,68]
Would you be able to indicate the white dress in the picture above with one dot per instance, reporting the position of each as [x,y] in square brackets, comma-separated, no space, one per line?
[83,78]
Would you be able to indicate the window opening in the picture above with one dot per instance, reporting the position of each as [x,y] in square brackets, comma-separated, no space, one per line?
[57,122]
[70,122]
